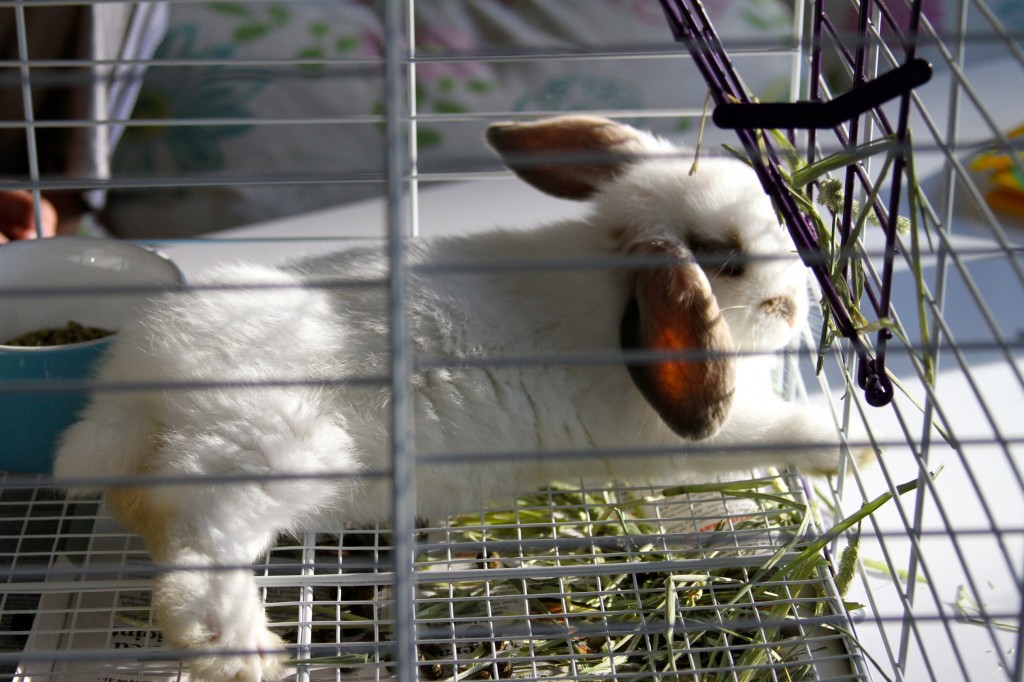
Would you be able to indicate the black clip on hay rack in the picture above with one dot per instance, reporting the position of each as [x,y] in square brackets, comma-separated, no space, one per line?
[734,109]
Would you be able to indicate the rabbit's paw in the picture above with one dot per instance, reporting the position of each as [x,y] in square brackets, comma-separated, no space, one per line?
[260,663]
[217,615]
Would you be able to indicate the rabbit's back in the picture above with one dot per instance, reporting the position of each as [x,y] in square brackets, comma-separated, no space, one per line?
[243,350]
[508,361]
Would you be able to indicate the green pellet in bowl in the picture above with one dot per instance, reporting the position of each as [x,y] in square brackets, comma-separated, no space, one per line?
[72,332]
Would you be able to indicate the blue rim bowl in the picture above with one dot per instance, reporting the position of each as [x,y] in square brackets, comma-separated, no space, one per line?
[44,284]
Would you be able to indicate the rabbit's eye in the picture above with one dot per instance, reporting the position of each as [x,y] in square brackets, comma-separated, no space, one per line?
[724,257]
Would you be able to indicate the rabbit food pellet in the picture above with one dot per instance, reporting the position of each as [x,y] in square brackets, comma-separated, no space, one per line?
[72,332]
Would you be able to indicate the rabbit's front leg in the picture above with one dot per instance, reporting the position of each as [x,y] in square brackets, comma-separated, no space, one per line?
[809,440]
[770,431]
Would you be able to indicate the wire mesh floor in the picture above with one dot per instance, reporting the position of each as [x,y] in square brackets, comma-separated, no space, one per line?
[589,584]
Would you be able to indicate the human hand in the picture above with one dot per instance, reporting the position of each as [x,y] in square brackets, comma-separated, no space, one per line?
[17,216]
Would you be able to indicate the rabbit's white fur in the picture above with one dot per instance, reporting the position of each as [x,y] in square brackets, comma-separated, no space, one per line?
[285,341]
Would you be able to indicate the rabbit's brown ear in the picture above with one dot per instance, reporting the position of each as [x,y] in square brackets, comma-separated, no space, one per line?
[673,310]
[567,156]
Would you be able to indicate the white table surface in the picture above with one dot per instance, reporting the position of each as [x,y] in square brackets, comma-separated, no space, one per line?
[446,209]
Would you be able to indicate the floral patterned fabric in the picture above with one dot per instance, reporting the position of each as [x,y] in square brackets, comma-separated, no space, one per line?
[265,109]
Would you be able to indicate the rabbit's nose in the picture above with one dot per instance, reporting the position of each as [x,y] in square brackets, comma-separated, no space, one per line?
[781,306]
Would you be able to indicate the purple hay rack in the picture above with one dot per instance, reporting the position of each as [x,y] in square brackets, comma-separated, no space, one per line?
[736,109]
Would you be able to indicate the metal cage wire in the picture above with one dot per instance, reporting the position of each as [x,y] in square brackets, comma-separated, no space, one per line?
[626,583]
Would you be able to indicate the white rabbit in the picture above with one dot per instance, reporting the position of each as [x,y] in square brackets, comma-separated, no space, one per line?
[284,343]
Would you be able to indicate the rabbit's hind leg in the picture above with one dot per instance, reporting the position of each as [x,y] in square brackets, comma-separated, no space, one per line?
[205,600]
[248,482]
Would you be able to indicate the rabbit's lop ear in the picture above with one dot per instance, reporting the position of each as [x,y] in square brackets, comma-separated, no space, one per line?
[567,156]
[673,310]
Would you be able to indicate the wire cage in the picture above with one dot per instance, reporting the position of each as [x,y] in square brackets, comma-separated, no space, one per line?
[270,130]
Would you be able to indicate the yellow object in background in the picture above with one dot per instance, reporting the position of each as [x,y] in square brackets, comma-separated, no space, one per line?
[1006,191]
